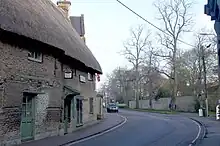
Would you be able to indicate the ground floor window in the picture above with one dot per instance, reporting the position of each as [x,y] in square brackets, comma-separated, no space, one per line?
[91,107]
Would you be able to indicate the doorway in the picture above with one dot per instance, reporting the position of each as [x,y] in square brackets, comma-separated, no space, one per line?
[27,117]
[79,112]
[67,112]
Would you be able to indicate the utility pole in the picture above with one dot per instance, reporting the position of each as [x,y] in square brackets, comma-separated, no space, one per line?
[205,80]
[199,81]
[218,51]
[136,84]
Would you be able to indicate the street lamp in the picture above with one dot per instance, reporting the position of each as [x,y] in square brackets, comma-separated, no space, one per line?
[218,49]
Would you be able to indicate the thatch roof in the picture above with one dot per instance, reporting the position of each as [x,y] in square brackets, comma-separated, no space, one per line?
[43,21]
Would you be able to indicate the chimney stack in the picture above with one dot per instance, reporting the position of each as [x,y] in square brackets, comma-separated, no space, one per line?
[64,5]
[78,24]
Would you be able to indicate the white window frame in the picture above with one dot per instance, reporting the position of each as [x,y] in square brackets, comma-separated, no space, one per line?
[32,55]
[90,77]
[68,75]
[82,79]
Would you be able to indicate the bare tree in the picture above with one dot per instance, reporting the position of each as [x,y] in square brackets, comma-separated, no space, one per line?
[152,65]
[197,65]
[176,20]
[204,54]
[134,52]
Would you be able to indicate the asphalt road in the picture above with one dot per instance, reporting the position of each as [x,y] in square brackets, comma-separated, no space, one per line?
[148,129]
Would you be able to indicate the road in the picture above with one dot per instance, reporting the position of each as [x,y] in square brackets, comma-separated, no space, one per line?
[148,129]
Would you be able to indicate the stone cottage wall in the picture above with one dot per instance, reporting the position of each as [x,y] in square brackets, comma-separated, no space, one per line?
[87,90]
[19,74]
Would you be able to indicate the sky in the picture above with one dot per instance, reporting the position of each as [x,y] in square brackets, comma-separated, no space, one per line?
[107,26]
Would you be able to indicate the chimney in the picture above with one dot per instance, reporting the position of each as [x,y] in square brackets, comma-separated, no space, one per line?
[82,28]
[78,23]
[64,5]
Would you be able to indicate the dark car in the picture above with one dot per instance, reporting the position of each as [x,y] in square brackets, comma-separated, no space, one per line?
[112,107]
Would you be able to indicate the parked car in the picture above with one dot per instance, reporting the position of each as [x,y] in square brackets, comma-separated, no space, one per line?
[112,107]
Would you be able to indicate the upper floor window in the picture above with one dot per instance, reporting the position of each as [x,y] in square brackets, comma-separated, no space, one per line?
[90,77]
[68,75]
[35,56]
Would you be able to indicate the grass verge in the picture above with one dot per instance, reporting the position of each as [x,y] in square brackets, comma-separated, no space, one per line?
[154,111]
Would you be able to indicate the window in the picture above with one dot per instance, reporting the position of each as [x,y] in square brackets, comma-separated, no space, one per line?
[35,56]
[90,77]
[91,105]
[68,75]
[82,79]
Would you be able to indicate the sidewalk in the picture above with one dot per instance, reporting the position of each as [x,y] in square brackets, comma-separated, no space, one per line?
[212,128]
[110,121]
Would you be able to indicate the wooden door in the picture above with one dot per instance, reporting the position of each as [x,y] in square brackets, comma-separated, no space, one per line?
[67,113]
[27,119]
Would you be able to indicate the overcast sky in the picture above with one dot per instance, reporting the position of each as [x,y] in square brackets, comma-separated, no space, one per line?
[107,26]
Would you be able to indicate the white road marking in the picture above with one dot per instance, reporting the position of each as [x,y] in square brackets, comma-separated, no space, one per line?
[100,134]
[197,134]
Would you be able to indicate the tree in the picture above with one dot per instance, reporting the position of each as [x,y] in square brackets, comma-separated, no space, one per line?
[119,85]
[134,51]
[152,75]
[196,65]
[204,55]
[176,19]
[162,93]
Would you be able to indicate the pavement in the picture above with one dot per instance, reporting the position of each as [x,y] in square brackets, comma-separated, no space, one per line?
[212,130]
[110,121]
[147,129]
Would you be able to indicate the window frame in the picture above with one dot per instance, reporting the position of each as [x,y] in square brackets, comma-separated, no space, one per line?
[32,55]
[90,76]
[68,72]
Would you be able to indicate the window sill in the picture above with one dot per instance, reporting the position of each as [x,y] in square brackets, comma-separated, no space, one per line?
[33,59]
[91,113]
[79,125]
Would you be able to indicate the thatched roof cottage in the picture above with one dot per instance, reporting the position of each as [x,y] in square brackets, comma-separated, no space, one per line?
[47,73]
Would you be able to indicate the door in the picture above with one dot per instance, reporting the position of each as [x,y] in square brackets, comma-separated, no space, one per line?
[66,120]
[27,117]
[67,113]
[79,112]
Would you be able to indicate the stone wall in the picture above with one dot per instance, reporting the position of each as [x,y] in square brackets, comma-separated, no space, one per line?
[185,103]
[19,74]
[87,90]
